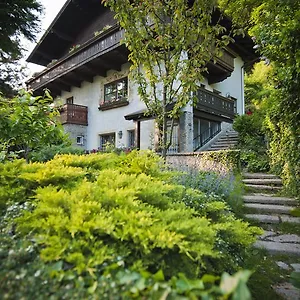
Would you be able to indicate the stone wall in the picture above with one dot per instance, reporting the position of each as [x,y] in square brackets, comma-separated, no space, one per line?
[75,131]
[221,162]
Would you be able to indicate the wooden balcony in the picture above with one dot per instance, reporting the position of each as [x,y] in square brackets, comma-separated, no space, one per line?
[96,57]
[74,114]
[215,104]
[221,68]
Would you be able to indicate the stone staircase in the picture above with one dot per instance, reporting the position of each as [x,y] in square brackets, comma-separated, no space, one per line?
[268,209]
[226,141]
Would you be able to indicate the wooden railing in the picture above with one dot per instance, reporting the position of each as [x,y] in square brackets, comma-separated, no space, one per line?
[216,104]
[94,49]
[74,114]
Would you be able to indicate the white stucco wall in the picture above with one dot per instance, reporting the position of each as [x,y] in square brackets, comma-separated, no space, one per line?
[113,121]
[233,85]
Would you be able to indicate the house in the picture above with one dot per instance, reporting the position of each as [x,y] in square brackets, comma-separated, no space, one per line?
[87,68]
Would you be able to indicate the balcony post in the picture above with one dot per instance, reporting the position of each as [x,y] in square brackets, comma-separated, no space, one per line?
[186,129]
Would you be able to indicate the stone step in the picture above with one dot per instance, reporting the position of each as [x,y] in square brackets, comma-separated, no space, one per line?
[279,248]
[218,149]
[263,181]
[225,139]
[263,187]
[270,208]
[221,147]
[267,199]
[273,219]
[268,219]
[221,143]
[271,236]
[259,176]
[230,135]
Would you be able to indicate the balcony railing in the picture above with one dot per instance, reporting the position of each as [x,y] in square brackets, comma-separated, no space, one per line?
[215,104]
[94,49]
[74,114]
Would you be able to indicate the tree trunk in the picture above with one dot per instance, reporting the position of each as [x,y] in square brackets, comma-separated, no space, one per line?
[164,124]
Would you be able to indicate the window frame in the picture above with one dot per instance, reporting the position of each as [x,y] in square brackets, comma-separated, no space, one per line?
[131,138]
[115,91]
[102,146]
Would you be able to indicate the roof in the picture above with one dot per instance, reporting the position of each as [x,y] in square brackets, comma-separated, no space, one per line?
[76,15]
[63,31]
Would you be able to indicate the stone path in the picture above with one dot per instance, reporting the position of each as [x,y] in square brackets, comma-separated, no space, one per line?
[269,210]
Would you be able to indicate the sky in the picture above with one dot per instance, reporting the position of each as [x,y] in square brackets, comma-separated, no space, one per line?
[51,8]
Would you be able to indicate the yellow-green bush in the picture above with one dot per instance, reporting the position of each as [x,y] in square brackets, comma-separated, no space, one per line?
[87,212]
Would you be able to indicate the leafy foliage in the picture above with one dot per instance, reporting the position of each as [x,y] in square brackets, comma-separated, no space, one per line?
[28,123]
[252,141]
[18,18]
[107,223]
[170,44]
[274,24]
[48,152]
[222,187]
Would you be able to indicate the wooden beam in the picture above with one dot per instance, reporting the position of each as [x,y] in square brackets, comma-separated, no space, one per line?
[96,70]
[62,36]
[62,86]
[53,89]
[47,57]
[121,53]
[108,64]
[70,81]
[82,75]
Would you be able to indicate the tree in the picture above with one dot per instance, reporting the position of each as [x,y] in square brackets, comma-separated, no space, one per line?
[18,18]
[28,123]
[170,44]
[275,26]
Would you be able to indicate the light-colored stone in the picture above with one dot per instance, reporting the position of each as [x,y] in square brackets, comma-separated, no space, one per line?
[287,219]
[269,208]
[259,175]
[263,181]
[296,267]
[263,218]
[263,187]
[267,234]
[282,248]
[282,265]
[268,199]
[287,291]
[285,238]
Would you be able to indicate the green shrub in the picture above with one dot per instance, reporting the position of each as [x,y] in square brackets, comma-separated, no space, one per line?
[223,187]
[48,152]
[84,214]
[252,142]
[230,159]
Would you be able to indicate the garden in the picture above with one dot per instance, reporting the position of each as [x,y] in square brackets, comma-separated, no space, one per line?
[120,226]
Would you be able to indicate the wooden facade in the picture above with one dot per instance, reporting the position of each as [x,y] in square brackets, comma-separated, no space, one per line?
[101,54]
[215,104]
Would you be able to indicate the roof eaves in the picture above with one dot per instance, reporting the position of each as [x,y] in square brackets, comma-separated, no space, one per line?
[48,30]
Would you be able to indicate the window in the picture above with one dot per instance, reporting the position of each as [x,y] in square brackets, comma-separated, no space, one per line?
[107,141]
[174,147]
[131,138]
[70,100]
[116,91]
[79,140]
